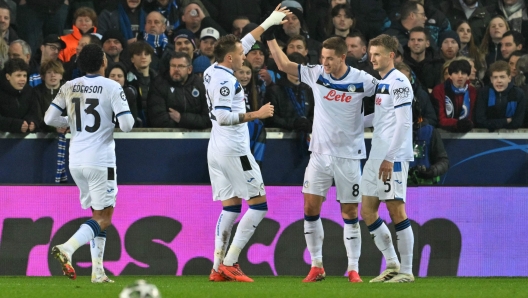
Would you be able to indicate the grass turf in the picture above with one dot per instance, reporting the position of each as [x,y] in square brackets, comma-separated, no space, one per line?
[199,286]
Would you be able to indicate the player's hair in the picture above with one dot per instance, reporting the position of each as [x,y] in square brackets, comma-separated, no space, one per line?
[518,38]
[297,37]
[460,65]
[297,58]
[408,8]
[26,49]
[337,44]
[91,58]
[139,47]
[85,12]
[356,33]
[178,55]
[225,44]
[53,65]
[499,66]
[522,69]
[93,39]
[386,41]
[15,64]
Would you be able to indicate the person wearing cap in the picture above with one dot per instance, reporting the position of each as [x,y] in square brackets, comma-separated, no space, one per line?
[113,44]
[177,96]
[84,21]
[184,41]
[257,57]
[49,50]
[200,64]
[412,15]
[208,37]
[449,44]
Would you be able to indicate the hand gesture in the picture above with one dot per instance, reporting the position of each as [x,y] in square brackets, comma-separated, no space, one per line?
[24,127]
[385,170]
[265,76]
[265,111]
[31,126]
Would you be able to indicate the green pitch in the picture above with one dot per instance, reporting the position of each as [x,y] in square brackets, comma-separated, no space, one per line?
[268,287]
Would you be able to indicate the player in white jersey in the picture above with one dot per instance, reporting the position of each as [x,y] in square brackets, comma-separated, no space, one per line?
[91,102]
[337,146]
[233,170]
[385,173]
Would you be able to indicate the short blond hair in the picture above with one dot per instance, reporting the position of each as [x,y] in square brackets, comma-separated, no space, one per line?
[386,41]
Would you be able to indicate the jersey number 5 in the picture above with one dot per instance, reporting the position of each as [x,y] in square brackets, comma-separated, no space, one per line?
[90,110]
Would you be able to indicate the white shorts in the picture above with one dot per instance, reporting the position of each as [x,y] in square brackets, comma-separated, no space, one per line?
[98,186]
[234,176]
[395,189]
[322,170]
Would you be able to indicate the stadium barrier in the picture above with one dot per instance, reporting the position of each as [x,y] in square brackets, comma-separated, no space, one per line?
[169,230]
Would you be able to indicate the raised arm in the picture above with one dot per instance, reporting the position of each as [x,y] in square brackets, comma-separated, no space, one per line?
[283,63]
[275,18]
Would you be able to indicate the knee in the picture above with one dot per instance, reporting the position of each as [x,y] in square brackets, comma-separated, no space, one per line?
[368,214]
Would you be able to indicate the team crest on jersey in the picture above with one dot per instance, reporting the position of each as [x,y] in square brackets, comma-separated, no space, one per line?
[351,88]
[383,89]
[224,91]
[207,78]
[196,93]
[306,184]
[123,96]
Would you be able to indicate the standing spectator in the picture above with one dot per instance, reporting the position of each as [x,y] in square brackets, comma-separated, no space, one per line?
[228,10]
[342,20]
[20,49]
[170,11]
[84,22]
[185,41]
[436,23]
[468,47]
[128,17]
[515,13]
[177,97]
[449,44]
[155,36]
[195,20]
[238,24]
[455,99]
[4,53]
[49,50]
[6,31]
[491,43]
[473,78]
[40,18]
[471,11]
[512,62]
[51,72]
[140,75]
[71,69]
[357,50]
[113,45]
[208,37]
[200,64]
[501,105]
[511,41]
[19,109]
[117,72]
[412,15]
[520,81]
[297,43]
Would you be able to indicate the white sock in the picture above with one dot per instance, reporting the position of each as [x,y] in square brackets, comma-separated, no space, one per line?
[246,228]
[352,239]
[97,246]
[85,233]
[405,245]
[383,240]
[225,223]
[314,235]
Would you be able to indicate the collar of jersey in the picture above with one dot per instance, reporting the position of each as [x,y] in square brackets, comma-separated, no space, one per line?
[230,71]
[93,76]
[342,77]
[388,73]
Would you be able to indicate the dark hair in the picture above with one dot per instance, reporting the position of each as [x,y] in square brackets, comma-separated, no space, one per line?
[484,45]
[297,58]
[138,47]
[91,58]
[459,65]
[85,12]
[330,28]
[251,88]
[116,65]
[298,37]
[420,29]
[337,44]
[518,38]
[93,39]
[517,53]
[178,55]
[499,66]
[522,69]
[356,33]
[386,41]
[408,8]
[15,64]
[473,50]
[3,5]
[54,65]
[225,44]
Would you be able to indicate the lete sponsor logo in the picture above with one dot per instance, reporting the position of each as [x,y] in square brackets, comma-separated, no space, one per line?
[334,96]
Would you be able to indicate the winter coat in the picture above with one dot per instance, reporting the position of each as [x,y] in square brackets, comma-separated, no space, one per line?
[45,96]
[427,71]
[439,94]
[72,40]
[17,106]
[478,21]
[510,103]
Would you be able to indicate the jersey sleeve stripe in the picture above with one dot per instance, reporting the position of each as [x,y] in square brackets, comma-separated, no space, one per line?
[124,113]
[60,109]
[223,108]
[299,71]
[403,105]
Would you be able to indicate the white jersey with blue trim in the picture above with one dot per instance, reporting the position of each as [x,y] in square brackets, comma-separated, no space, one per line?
[223,91]
[91,103]
[394,91]
[338,112]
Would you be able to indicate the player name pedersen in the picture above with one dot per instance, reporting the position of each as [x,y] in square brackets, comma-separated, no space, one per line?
[87,89]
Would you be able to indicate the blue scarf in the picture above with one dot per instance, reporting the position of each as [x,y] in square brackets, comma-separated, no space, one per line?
[511,107]
[61,175]
[466,106]
[166,13]
[124,22]
[301,112]
[156,41]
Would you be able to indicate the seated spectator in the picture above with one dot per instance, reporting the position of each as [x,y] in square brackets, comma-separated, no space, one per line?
[155,36]
[511,41]
[238,25]
[341,21]
[49,50]
[469,49]
[293,101]
[140,75]
[454,100]
[449,44]
[6,31]
[177,97]
[491,43]
[501,105]
[84,22]
[19,109]
[126,16]
[71,69]
[113,45]
[51,73]
[208,37]
[185,41]
[117,72]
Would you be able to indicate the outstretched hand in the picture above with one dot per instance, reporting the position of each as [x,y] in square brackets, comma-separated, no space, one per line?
[276,17]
